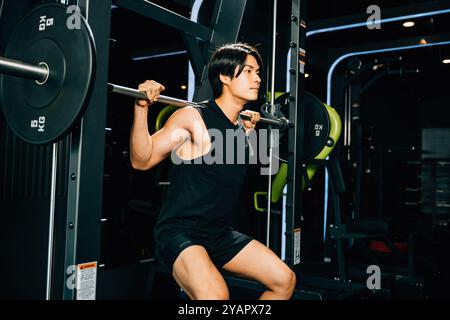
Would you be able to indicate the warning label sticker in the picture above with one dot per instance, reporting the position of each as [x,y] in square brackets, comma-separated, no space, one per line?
[297,233]
[86,280]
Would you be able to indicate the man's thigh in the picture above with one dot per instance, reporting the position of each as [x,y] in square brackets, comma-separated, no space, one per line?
[194,271]
[257,262]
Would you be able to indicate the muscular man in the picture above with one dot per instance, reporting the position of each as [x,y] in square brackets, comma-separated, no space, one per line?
[193,233]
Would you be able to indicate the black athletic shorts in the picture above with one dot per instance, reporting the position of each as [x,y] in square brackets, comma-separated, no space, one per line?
[221,246]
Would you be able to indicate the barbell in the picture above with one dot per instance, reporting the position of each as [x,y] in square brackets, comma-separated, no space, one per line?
[43,97]
[281,122]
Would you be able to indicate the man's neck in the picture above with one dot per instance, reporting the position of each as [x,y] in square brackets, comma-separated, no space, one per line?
[230,106]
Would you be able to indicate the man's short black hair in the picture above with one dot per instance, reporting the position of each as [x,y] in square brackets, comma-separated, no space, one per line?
[225,60]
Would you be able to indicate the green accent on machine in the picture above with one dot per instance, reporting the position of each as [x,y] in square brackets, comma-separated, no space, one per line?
[334,132]
[163,115]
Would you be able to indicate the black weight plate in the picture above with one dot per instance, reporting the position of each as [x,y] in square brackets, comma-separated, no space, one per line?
[317,126]
[43,113]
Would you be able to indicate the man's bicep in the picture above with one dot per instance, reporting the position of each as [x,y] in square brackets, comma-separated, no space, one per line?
[167,139]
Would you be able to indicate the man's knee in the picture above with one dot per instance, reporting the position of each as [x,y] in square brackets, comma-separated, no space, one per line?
[289,280]
[285,282]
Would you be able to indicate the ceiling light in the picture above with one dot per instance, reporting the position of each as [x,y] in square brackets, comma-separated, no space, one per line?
[446,61]
[183,87]
[306,75]
[408,24]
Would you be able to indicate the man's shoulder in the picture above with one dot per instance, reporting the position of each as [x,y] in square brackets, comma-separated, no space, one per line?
[194,108]
[199,106]
[186,116]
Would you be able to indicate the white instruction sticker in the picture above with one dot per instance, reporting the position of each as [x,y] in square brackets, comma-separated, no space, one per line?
[297,233]
[86,280]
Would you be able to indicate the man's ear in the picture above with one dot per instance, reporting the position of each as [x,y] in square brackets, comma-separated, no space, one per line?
[225,79]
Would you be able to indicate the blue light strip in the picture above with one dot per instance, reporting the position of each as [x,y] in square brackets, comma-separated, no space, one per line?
[351,54]
[160,55]
[363,24]
[191,76]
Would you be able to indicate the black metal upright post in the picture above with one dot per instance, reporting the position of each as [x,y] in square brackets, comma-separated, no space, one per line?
[296,116]
[85,181]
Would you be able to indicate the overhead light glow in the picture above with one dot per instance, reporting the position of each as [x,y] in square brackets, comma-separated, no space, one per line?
[408,24]
[446,61]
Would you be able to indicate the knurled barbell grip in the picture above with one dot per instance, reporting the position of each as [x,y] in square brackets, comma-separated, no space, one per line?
[23,70]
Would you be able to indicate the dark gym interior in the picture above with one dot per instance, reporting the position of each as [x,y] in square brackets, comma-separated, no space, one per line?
[381,198]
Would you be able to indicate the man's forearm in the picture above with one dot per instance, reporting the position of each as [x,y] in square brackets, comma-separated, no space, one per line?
[140,140]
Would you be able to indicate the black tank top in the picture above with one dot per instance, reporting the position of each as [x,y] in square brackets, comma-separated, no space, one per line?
[202,195]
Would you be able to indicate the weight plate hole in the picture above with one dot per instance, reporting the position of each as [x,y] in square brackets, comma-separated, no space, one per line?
[46,77]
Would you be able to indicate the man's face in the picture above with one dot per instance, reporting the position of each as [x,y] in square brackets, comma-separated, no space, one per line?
[246,85]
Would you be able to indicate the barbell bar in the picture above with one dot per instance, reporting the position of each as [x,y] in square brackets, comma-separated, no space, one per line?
[141,95]
[40,74]
[182,103]
[21,69]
